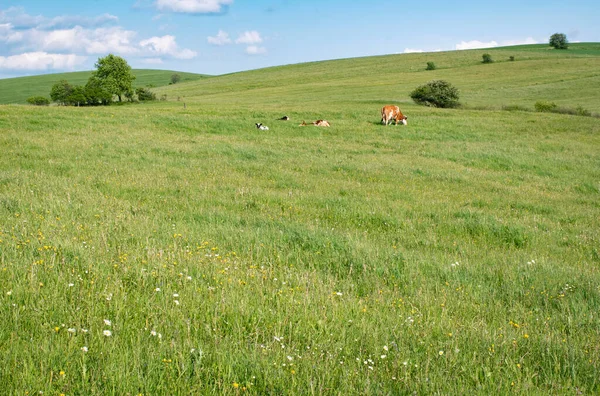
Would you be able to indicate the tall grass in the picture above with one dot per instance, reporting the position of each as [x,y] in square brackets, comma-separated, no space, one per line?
[158,249]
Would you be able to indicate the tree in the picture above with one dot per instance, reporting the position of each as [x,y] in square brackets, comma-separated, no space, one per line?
[175,78]
[430,66]
[115,75]
[436,93]
[487,58]
[145,94]
[60,92]
[95,93]
[38,101]
[559,41]
[77,96]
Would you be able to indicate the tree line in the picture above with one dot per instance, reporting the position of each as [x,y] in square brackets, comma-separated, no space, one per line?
[113,78]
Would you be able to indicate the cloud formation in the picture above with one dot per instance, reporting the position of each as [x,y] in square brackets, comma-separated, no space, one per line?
[41,61]
[249,37]
[193,6]
[255,50]
[475,44]
[166,46]
[222,38]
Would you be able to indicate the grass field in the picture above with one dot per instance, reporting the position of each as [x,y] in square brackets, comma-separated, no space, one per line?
[17,90]
[162,249]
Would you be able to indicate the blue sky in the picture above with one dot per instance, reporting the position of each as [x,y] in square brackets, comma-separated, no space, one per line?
[224,36]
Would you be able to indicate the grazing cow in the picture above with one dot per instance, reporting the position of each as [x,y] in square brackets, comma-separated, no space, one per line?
[322,123]
[262,127]
[284,118]
[391,112]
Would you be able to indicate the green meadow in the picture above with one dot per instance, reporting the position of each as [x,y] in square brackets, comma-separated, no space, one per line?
[173,248]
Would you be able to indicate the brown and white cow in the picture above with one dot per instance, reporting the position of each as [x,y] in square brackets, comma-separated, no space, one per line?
[322,123]
[391,112]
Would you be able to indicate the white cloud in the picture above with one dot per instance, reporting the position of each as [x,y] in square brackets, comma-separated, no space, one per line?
[249,37]
[412,51]
[221,38]
[153,61]
[254,50]
[41,61]
[166,46]
[528,40]
[465,45]
[17,17]
[192,6]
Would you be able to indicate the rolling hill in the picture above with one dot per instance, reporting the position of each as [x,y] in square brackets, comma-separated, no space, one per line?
[17,90]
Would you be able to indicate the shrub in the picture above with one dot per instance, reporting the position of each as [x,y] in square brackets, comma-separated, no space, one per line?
[487,58]
[175,78]
[61,91]
[515,108]
[436,93]
[583,112]
[430,66]
[511,58]
[38,101]
[559,41]
[144,94]
[544,106]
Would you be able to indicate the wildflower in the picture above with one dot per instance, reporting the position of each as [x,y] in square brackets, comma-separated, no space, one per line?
[56,329]
[84,331]
[153,333]
[8,293]
[188,278]
[383,356]
[175,295]
[526,336]
[107,322]
[290,358]
[338,293]
[405,363]
[385,348]
[84,348]
[71,284]
[176,302]
[236,385]
[62,373]
[441,353]
[71,330]
[157,289]
[107,333]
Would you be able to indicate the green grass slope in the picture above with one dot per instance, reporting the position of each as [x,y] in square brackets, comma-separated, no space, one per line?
[567,77]
[17,90]
[158,248]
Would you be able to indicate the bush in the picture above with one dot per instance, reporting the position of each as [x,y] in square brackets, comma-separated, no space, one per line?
[144,94]
[544,106]
[511,58]
[430,66]
[436,93]
[175,78]
[583,112]
[487,58]
[38,101]
[515,108]
[559,41]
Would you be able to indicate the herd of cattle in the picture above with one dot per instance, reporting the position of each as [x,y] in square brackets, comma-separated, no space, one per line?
[389,113]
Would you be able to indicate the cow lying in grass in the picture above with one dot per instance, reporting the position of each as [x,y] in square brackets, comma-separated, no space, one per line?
[262,127]
[323,123]
[391,112]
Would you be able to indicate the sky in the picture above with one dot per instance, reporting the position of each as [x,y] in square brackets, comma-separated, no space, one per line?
[224,36]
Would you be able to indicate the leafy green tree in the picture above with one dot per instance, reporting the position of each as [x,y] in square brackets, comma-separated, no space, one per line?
[61,91]
[436,93]
[115,75]
[487,58]
[145,94]
[559,41]
[77,96]
[430,66]
[95,93]
[175,78]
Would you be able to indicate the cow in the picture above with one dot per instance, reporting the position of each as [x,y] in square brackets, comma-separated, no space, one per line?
[391,112]
[323,123]
[262,127]
[284,118]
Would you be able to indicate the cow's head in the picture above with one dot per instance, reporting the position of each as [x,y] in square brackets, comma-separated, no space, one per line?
[402,118]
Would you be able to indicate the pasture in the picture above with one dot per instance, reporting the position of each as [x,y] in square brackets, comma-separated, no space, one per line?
[162,249]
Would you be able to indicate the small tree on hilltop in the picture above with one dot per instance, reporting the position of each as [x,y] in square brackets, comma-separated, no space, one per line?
[436,93]
[559,41]
[115,75]
[175,78]
[487,58]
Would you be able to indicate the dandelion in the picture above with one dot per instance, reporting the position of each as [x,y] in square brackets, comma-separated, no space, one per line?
[526,336]
[107,333]
[84,349]
[107,322]
[236,385]
[62,373]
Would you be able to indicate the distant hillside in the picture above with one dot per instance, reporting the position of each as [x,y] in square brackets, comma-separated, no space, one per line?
[17,90]
[567,77]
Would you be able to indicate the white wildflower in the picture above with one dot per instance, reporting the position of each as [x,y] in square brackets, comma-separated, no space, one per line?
[107,333]
[84,348]
[107,322]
